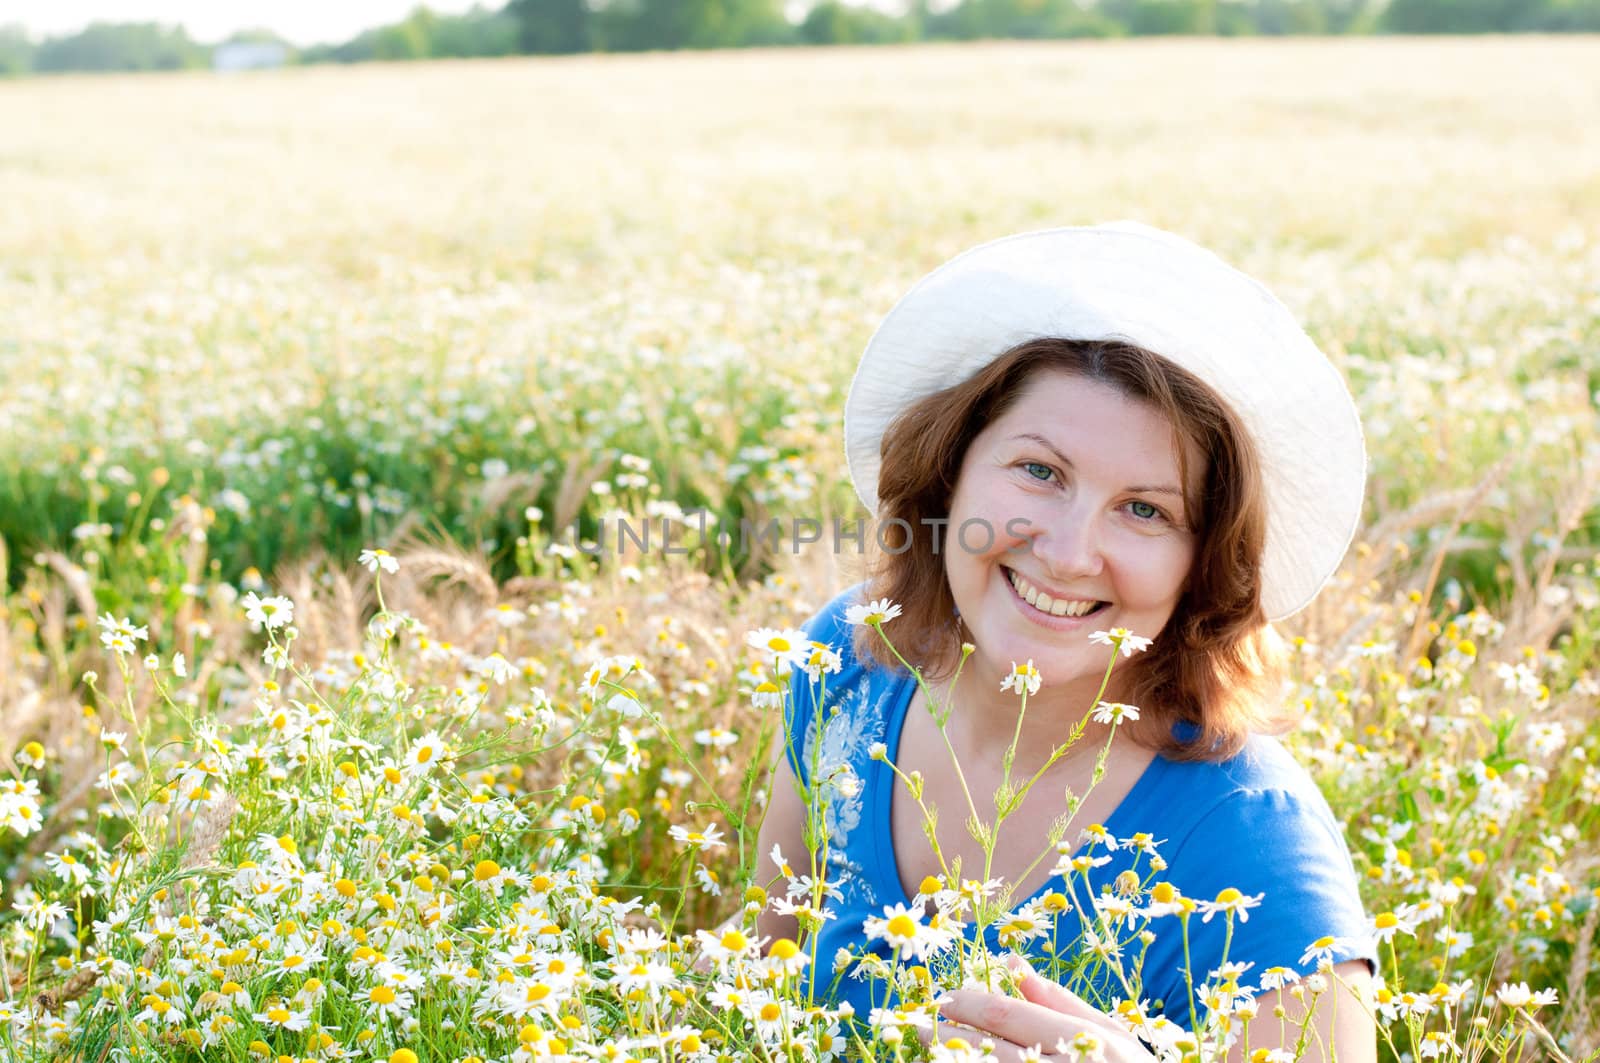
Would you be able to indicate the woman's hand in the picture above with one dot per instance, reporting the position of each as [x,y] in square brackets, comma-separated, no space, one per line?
[1056,1020]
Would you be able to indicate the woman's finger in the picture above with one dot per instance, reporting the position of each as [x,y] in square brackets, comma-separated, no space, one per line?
[1006,1051]
[1021,1022]
[1051,994]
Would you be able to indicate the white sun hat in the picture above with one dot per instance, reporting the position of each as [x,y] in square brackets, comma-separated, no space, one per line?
[1128,281]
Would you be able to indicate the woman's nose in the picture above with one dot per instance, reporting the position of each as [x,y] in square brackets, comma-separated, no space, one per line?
[1069,547]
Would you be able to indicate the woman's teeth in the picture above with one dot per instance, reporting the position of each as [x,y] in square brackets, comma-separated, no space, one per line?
[1046,604]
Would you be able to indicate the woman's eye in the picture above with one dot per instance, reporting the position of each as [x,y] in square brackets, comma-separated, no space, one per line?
[1143,510]
[1037,470]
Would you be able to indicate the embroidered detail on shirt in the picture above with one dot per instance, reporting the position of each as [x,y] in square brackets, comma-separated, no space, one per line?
[852,724]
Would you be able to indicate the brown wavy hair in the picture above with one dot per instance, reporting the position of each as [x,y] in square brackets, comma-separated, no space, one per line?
[1212,661]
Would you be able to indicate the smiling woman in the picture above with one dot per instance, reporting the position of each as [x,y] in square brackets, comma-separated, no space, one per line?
[1093,441]
[995,450]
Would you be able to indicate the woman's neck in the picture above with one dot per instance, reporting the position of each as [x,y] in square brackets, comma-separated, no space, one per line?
[984,720]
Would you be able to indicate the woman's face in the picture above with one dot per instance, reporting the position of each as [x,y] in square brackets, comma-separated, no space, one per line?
[1079,484]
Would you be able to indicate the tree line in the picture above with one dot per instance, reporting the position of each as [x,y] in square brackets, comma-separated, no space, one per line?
[553,27]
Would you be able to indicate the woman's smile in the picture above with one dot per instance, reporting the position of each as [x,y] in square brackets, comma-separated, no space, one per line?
[1058,612]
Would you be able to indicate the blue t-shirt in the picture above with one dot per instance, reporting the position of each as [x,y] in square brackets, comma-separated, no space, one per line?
[1255,822]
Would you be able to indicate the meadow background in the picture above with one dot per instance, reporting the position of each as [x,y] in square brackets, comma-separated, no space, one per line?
[253,325]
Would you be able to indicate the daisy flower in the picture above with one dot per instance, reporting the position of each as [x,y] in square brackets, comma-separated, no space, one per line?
[821,659]
[731,943]
[425,753]
[234,995]
[160,1010]
[67,867]
[1165,899]
[872,614]
[715,737]
[1023,680]
[785,958]
[38,913]
[1115,712]
[766,695]
[1230,900]
[279,1014]
[787,647]
[268,612]
[710,838]
[19,806]
[1023,925]
[650,976]
[1518,995]
[378,558]
[1122,639]
[1322,949]
[901,926]
[1083,1046]
[387,1000]
[123,626]
[1385,925]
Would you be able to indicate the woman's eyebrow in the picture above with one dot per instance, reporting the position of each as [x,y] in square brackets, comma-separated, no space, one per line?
[1066,462]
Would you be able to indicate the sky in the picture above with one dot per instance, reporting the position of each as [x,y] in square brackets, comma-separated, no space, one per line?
[299,21]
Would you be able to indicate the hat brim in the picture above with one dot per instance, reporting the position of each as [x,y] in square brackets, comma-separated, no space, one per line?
[1155,290]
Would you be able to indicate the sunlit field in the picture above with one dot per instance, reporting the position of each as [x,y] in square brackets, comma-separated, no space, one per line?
[488,795]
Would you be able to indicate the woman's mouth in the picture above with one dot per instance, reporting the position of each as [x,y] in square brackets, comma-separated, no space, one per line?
[1055,607]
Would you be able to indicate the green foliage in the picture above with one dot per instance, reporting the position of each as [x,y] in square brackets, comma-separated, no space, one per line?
[647,25]
[1491,16]
[16,52]
[561,27]
[1452,16]
[975,19]
[425,34]
[106,46]
[1271,18]
[471,35]
[551,27]
[832,22]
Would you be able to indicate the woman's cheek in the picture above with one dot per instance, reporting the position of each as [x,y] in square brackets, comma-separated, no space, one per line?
[1014,533]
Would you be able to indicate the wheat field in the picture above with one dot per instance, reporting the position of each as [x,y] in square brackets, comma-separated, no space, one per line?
[255,325]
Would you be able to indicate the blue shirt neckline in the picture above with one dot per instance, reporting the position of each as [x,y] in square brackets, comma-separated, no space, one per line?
[1132,805]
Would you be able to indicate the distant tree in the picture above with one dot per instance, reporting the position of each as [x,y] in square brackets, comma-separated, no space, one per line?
[832,22]
[426,34]
[16,52]
[257,36]
[1460,16]
[122,46]
[1565,16]
[975,19]
[916,16]
[1163,17]
[405,40]
[1272,18]
[478,32]
[551,27]
[640,25]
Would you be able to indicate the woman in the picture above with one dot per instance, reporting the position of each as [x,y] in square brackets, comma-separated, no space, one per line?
[1075,441]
